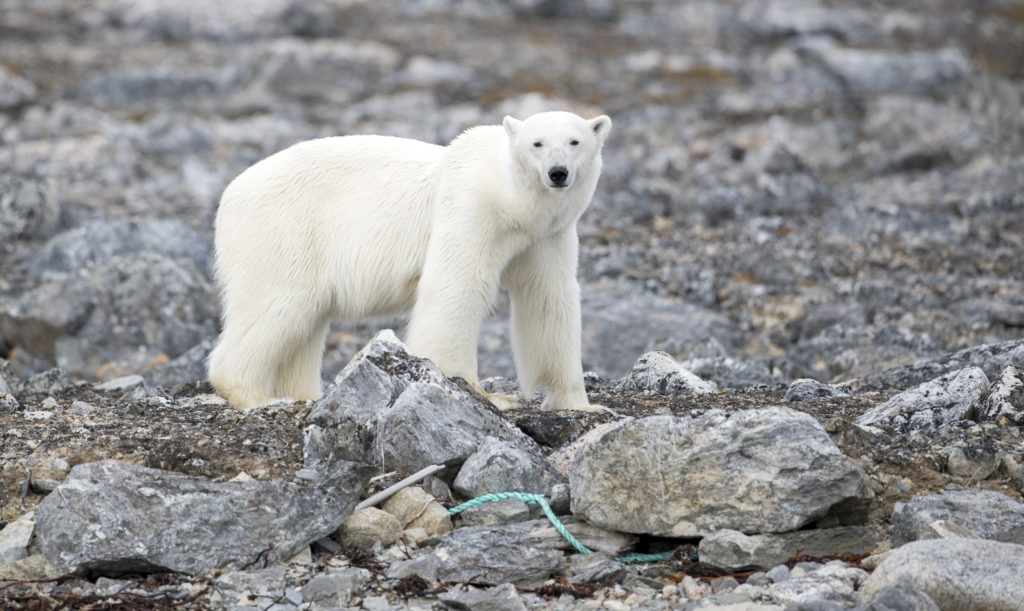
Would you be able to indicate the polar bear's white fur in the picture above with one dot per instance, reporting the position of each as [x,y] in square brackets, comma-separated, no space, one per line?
[359,226]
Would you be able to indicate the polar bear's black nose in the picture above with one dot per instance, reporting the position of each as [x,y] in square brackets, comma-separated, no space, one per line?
[558,175]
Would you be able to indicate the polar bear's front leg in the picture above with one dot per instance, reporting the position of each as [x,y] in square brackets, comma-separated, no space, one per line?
[456,288]
[546,323]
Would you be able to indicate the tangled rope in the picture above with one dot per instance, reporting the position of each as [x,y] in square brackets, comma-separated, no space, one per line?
[539,500]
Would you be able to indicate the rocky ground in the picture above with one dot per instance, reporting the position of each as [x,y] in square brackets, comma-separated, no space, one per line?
[792,190]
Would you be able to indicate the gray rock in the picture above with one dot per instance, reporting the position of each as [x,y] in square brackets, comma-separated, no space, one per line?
[189,366]
[505,511]
[430,424]
[770,21]
[974,463]
[869,72]
[28,209]
[124,383]
[731,372]
[659,373]
[368,526]
[991,358]
[848,350]
[778,573]
[499,598]
[758,471]
[944,529]
[485,554]
[988,514]
[266,582]
[963,574]
[335,70]
[49,382]
[337,588]
[123,316]
[804,389]
[114,518]
[901,595]
[105,241]
[1005,401]
[499,466]
[194,19]
[618,325]
[598,567]
[15,537]
[932,405]
[733,550]
[15,91]
[817,587]
[416,415]
[8,404]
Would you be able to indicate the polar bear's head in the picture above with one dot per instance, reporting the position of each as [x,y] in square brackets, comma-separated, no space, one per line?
[557,146]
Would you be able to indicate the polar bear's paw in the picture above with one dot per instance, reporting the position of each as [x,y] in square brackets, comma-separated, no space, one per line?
[555,403]
[589,407]
[503,402]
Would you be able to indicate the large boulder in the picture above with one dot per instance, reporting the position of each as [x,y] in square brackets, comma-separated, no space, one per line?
[114,518]
[756,471]
[416,416]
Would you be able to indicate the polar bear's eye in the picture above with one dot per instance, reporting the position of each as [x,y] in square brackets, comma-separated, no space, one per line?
[574,142]
[537,144]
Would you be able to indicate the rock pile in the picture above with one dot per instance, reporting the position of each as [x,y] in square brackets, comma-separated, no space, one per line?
[762,496]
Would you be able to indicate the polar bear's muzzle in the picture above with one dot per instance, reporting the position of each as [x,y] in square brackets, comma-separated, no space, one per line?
[558,177]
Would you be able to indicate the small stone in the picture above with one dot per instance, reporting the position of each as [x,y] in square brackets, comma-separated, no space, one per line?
[943,529]
[81,408]
[973,463]
[35,566]
[805,389]
[659,373]
[414,507]
[15,537]
[694,589]
[336,589]
[8,404]
[598,567]
[503,597]
[368,526]
[778,573]
[505,511]
[121,384]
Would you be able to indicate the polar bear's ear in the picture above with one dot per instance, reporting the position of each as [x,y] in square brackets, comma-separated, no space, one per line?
[601,126]
[511,125]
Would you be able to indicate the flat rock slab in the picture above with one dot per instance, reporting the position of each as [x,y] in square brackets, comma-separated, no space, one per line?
[733,550]
[112,518]
[962,574]
[485,555]
[756,471]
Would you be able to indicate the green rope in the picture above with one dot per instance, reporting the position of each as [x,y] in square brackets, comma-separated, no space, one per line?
[538,499]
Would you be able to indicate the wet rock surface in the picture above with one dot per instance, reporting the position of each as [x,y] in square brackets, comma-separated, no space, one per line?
[808,204]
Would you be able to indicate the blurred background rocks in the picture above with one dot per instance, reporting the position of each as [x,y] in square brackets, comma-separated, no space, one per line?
[791,190]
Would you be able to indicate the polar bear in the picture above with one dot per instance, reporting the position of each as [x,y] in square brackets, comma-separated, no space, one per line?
[360,226]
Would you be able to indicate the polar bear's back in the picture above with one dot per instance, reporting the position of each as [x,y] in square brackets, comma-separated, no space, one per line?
[328,205]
